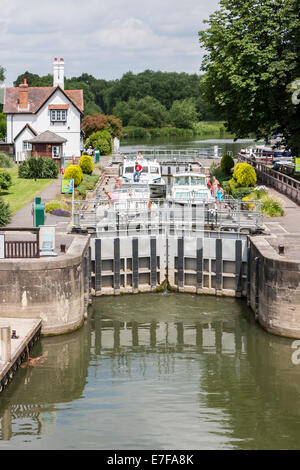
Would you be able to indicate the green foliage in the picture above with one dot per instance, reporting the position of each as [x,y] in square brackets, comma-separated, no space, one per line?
[244,174]
[88,184]
[145,112]
[86,164]
[74,172]
[2,124]
[271,207]
[101,140]
[5,180]
[6,161]
[183,113]
[227,163]
[5,213]
[52,205]
[38,168]
[252,58]
[241,193]
[219,174]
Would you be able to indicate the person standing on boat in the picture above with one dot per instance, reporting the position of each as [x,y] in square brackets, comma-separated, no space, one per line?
[214,186]
[137,172]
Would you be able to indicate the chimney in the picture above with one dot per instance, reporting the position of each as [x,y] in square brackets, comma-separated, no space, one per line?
[23,95]
[58,73]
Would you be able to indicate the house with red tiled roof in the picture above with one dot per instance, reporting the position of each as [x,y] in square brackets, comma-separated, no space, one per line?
[32,111]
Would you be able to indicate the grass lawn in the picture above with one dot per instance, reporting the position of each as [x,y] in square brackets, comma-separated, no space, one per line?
[22,190]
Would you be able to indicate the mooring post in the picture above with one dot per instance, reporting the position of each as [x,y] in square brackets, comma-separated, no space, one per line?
[5,343]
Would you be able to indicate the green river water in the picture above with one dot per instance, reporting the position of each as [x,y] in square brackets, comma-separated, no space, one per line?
[157,371]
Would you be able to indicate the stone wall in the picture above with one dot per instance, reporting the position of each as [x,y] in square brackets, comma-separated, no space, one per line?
[274,289]
[55,289]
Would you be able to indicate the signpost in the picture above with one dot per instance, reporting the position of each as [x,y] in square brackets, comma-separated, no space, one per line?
[67,187]
[47,240]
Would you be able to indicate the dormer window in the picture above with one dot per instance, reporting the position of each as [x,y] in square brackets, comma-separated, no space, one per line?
[58,113]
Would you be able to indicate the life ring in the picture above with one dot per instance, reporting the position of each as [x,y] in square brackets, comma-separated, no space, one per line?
[149,204]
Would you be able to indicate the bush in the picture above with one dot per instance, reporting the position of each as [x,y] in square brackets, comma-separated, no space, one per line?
[74,172]
[271,207]
[101,140]
[89,182]
[53,205]
[5,180]
[244,174]
[41,167]
[86,164]
[5,214]
[6,161]
[226,164]
[240,193]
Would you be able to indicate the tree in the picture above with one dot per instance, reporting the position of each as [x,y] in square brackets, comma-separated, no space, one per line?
[226,163]
[95,122]
[2,126]
[252,57]
[183,113]
[146,112]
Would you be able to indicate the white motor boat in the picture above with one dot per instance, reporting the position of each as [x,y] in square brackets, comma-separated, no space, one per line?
[150,175]
[190,188]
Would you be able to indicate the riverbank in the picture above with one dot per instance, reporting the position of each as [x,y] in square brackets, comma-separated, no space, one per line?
[202,130]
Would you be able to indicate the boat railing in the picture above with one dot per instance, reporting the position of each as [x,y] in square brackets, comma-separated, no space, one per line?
[155,214]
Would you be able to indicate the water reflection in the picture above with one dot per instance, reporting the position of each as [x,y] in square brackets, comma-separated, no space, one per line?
[160,371]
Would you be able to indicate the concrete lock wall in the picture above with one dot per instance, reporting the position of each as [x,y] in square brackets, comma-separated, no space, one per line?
[55,289]
[144,264]
[274,289]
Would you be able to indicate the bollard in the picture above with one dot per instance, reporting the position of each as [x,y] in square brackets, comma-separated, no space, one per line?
[5,343]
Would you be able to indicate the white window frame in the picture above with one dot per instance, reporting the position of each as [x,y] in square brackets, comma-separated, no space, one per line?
[58,115]
[54,154]
[26,146]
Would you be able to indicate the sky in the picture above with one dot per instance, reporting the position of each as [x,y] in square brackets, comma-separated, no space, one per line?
[103,38]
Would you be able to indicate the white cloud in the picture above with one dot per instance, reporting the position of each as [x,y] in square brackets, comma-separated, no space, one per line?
[105,39]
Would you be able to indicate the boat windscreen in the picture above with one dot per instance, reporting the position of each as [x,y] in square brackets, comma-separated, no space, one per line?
[181,180]
[128,169]
[182,194]
[200,195]
[198,180]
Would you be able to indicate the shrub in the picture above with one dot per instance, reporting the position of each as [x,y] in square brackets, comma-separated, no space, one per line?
[244,174]
[41,167]
[5,180]
[6,161]
[53,205]
[74,172]
[271,207]
[86,164]
[226,164]
[240,193]
[101,140]
[231,186]
[5,214]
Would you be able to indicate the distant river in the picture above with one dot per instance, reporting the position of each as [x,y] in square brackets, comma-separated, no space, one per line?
[157,371]
[180,143]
